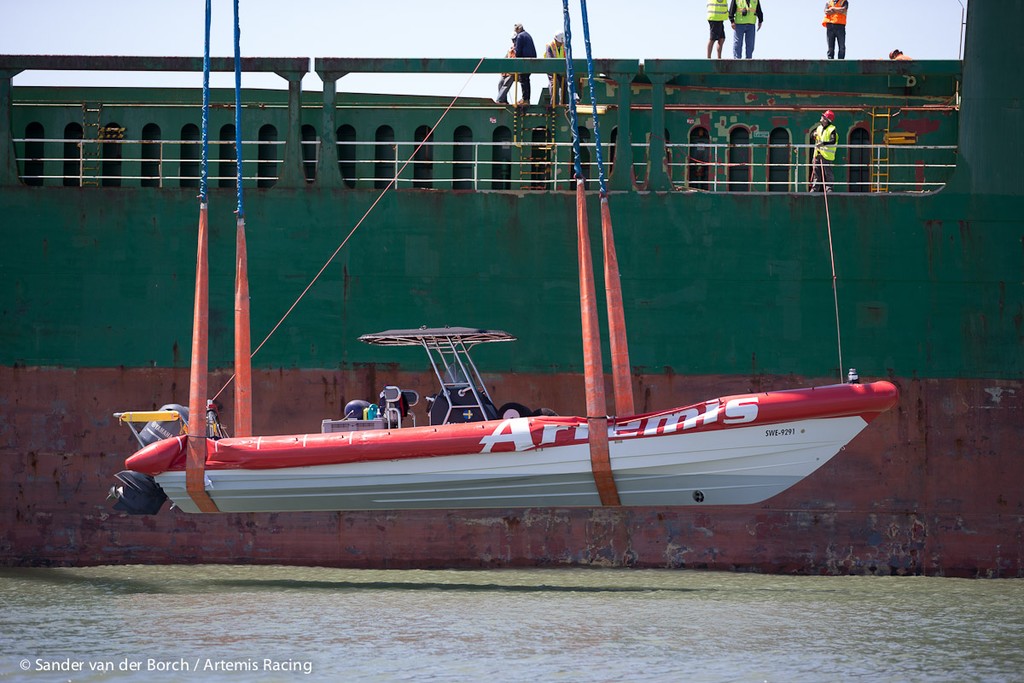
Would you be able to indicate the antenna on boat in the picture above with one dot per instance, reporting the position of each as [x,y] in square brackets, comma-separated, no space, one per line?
[195,462]
[597,407]
[243,345]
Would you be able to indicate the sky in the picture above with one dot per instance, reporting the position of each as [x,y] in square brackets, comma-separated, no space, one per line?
[638,29]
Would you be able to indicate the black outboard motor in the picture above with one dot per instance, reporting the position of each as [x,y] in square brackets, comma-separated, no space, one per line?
[137,494]
[155,431]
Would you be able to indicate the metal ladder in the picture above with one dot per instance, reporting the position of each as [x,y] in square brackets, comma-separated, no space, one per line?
[880,149]
[537,166]
[89,160]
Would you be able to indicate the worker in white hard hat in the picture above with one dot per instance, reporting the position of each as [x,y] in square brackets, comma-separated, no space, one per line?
[556,81]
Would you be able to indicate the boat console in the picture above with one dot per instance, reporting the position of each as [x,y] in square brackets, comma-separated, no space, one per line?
[462,396]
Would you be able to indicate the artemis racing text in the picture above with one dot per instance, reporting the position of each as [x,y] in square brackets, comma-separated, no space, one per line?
[515,434]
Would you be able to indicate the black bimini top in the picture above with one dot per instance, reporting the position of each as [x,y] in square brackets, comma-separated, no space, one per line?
[437,337]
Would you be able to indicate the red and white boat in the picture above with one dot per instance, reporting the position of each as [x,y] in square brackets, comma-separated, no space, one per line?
[729,450]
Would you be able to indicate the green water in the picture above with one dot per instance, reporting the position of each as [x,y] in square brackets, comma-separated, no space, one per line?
[240,623]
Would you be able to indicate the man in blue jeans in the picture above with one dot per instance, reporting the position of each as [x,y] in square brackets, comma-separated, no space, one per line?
[742,15]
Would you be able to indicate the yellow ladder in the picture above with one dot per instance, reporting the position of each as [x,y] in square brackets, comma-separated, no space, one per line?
[536,167]
[880,148]
[91,135]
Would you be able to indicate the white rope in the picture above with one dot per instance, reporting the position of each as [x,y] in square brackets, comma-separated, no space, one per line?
[832,257]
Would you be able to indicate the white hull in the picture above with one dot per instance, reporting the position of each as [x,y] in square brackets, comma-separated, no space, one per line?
[741,465]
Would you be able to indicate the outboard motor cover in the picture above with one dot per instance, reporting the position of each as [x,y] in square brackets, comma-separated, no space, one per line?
[157,431]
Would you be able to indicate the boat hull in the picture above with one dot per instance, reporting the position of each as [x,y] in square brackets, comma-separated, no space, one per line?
[686,470]
[732,450]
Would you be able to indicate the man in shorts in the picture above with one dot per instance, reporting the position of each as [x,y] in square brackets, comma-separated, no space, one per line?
[718,12]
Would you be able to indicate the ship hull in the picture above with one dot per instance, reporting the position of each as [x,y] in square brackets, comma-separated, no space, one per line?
[725,292]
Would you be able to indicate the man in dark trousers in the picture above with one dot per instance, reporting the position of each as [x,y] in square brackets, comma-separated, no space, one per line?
[524,49]
[826,140]
[835,26]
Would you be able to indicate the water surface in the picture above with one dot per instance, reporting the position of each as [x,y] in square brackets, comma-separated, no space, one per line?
[243,623]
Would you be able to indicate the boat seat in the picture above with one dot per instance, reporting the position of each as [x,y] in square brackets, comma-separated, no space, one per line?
[395,404]
[463,406]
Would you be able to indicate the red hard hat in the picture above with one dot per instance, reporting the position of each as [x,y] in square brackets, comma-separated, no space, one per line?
[829,115]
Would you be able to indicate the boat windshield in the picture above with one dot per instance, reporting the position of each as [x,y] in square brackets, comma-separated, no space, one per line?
[455,374]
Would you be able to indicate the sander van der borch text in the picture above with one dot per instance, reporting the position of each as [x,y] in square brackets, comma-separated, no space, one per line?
[197,665]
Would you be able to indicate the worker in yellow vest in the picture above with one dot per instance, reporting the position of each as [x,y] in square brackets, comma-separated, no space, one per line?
[556,82]
[743,14]
[718,12]
[826,140]
[835,26]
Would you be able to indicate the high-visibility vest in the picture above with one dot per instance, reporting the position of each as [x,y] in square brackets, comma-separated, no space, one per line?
[557,51]
[751,16]
[823,136]
[834,18]
[718,10]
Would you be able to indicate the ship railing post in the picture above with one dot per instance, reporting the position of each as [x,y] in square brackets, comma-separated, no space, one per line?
[327,172]
[9,163]
[657,177]
[622,176]
[293,175]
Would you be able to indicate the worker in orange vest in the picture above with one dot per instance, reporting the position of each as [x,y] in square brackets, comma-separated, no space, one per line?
[835,26]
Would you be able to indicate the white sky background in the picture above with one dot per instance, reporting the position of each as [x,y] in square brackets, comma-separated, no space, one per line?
[629,29]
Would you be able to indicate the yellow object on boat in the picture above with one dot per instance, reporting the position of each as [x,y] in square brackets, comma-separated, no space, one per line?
[148,416]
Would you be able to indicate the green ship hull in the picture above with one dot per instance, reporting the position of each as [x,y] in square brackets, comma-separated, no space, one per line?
[727,273]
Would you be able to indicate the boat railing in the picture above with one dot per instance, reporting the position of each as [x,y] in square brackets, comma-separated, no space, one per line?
[482,166]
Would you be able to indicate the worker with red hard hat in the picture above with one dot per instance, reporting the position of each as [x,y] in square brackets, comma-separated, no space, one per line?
[826,140]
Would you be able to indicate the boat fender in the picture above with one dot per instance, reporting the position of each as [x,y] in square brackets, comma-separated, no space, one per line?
[157,431]
[354,409]
[512,410]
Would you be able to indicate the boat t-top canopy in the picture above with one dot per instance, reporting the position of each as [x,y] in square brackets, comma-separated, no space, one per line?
[463,396]
[437,337]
